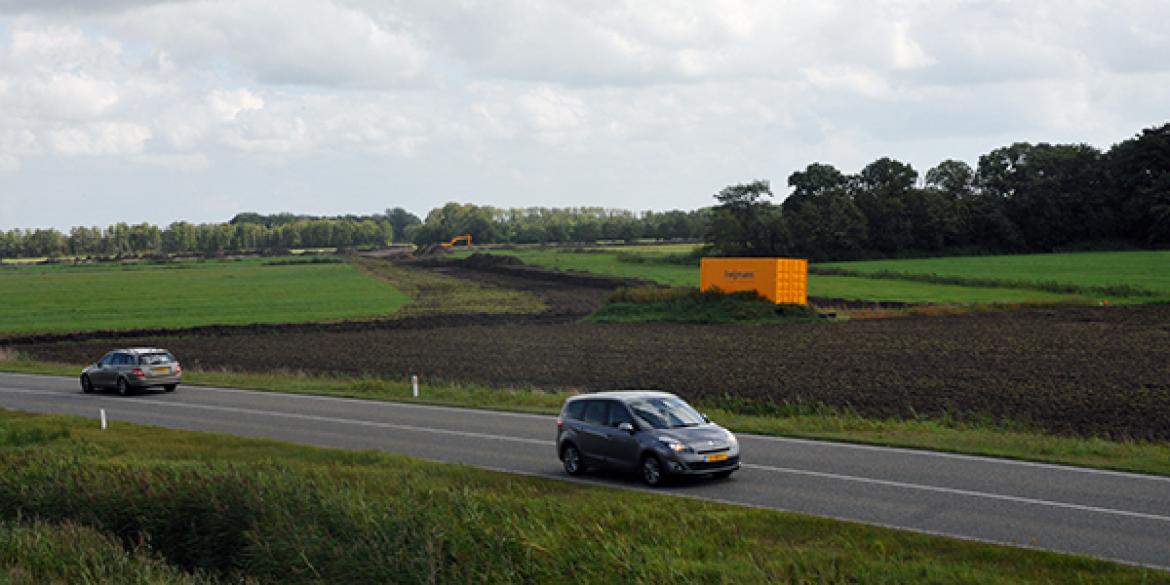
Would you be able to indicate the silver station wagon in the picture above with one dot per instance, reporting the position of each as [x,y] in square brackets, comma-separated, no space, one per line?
[132,370]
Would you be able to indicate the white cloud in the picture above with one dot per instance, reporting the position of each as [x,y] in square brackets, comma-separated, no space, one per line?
[310,42]
[550,102]
[226,105]
[99,139]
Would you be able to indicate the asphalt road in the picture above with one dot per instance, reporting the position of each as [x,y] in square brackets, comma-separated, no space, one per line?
[1111,515]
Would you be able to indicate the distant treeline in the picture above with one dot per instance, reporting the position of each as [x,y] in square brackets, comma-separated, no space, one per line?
[492,225]
[1020,198]
[209,239]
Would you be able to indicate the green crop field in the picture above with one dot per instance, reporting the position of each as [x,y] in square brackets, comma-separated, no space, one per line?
[66,298]
[1148,270]
[837,287]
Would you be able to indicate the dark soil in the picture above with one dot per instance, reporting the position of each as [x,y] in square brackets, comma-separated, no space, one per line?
[1089,371]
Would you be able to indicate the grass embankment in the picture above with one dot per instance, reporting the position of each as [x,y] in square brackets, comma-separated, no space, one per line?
[32,553]
[70,298]
[688,305]
[817,423]
[823,286]
[274,512]
[432,293]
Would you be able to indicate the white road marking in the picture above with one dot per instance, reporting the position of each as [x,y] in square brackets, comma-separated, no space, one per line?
[958,492]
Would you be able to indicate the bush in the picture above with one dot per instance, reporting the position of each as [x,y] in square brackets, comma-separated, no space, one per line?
[688,305]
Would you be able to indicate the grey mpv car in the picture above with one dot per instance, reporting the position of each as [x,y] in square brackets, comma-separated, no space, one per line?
[655,433]
[128,370]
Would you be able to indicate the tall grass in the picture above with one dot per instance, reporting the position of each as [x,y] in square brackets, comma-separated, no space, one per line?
[275,513]
[40,552]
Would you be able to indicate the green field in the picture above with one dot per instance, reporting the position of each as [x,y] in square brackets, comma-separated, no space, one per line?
[1145,269]
[836,287]
[247,510]
[66,298]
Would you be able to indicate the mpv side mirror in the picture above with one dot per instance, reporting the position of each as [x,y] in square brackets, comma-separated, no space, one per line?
[627,427]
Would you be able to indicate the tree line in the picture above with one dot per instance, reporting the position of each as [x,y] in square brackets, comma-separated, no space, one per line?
[1020,198]
[208,239]
[493,225]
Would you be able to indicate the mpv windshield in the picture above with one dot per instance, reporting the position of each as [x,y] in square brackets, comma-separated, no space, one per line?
[666,413]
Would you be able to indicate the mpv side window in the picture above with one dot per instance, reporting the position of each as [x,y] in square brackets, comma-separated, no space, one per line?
[618,414]
[597,412]
[575,409]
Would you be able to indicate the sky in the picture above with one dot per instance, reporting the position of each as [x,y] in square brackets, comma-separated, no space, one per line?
[195,110]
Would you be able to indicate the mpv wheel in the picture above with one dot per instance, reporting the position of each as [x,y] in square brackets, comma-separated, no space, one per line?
[86,385]
[571,458]
[652,471]
[123,387]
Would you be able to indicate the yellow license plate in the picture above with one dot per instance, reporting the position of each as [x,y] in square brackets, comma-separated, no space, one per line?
[162,370]
[717,457]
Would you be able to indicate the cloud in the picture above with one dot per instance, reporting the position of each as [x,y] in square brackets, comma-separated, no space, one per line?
[306,42]
[99,139]
[552,102]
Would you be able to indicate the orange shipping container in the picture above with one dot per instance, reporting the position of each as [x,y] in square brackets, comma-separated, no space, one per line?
[780,280]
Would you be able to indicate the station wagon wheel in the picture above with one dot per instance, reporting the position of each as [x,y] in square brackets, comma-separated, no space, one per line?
[86,385]
[123,387]
[170,387]
[652,471]
[571,458]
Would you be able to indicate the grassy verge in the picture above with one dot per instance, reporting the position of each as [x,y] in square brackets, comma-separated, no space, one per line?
[274,512]
[925,433]
[436,294]
[68,298]
[688,305]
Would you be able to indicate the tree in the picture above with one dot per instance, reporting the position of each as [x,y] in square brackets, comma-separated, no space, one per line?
[882,190]
[1139,179]
[743,225]
[400,219]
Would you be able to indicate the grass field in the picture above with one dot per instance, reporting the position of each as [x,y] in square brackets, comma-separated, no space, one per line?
[66,298]
[246,510]
[836,287]
[1145,269]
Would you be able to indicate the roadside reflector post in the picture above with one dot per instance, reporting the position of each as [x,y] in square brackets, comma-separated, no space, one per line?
[103,411]
[414,385]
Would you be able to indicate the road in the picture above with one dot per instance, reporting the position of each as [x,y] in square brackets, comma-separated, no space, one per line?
[1111,515]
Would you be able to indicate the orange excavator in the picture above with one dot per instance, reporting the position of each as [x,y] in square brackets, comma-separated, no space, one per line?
[465,238]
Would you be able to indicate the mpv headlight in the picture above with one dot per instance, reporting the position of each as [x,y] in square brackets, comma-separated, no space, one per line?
[674,445]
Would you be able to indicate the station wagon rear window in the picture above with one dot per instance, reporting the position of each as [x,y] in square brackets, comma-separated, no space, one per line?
[154,359]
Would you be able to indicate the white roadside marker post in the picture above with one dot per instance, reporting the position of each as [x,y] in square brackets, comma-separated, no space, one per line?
[103,411]
[414,385]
